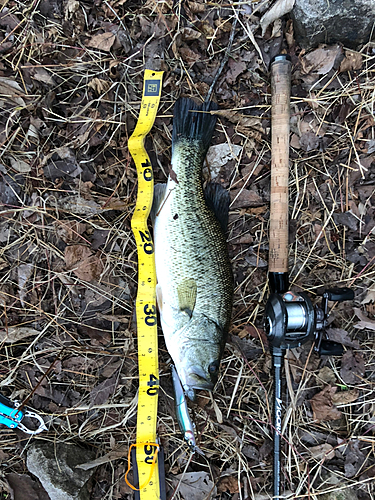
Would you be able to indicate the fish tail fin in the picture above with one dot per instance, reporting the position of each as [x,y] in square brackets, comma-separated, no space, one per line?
[193,121]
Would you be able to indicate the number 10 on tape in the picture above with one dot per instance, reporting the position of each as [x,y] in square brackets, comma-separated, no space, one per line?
[147,451]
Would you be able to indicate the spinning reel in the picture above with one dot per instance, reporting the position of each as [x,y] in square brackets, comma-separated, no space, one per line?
[291,320]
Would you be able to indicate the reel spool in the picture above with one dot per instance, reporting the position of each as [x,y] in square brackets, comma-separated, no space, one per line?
[291,320]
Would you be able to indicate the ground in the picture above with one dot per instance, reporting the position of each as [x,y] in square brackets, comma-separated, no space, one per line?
[70,88]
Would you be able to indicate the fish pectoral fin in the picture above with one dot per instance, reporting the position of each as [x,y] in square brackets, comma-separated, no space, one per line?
[159,195]
[159,298]
[218,200]
[187,295]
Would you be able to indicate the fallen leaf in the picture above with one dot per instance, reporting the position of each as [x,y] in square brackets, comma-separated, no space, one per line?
[242,122]
[345,397]
[7,19]
[100,86]
[70,231]
[103,41]
[189,56]
[352,60]
[342,337]
[195,485]
[322,405]
[235,69]
[76,205]
[279,9]
[229,484]
[370,297]
[242,198]
[40,75]
[103,391]
[326,376]
[10,89]
[309,141]
[190,34]
[322,451]
[25,488]
[20,165]
[24,273]
[320,60]
[17,333]
[85,265]
[354,458]
[352,367]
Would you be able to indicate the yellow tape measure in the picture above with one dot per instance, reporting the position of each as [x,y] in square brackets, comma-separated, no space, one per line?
[146,447]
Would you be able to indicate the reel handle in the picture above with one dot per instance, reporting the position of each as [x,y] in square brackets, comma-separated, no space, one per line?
[279,202]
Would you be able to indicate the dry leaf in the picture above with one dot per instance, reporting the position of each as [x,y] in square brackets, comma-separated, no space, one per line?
[352,367]
[322,451]
[235,69]
[103,41]
[70,231]
[17,333]
[370,297]
[103,391]
[309,141]
[241,121]
[19,165]
[76,205]
[243,198]
[345,397]
[190,34]
[326,376]
[365,321]
[229,484]
[320,60]
[83,263]
[9,88]
[189,56]
[279,9]
[342,337]
[40,75]
[352,60]
[195,485]
[24,273]
[322,405]
[100,86]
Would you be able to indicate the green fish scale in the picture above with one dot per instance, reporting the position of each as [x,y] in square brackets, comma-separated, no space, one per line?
[198,247]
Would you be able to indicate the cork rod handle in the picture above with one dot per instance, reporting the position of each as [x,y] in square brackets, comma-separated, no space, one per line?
[280,84]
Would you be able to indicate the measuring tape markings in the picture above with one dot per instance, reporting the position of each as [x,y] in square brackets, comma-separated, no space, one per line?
[147,448]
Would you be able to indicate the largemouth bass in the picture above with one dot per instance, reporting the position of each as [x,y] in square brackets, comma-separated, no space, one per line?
[195,283]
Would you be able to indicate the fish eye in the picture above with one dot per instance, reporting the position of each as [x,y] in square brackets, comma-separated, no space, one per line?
[213,367]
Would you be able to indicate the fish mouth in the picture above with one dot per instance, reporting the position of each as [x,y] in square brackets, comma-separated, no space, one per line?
[196,379]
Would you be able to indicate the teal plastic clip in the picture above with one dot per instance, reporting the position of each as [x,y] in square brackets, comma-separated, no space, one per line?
[12,417]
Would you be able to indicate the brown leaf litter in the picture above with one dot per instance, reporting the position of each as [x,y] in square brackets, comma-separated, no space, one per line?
[71,78]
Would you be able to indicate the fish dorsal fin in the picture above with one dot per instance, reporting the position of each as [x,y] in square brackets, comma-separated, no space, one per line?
[218,200]
[159,195]
[187,295]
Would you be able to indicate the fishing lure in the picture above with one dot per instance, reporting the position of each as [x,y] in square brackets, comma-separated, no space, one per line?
[182,413]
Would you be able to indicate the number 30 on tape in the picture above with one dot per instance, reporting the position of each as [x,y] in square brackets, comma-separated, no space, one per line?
[147,450]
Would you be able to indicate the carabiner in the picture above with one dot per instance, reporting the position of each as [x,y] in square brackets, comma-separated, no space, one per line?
[12,417]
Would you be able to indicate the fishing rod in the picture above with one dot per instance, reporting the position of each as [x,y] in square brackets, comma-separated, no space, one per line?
[290,318]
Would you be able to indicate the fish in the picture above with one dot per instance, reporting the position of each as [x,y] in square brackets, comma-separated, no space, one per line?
[194,289]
